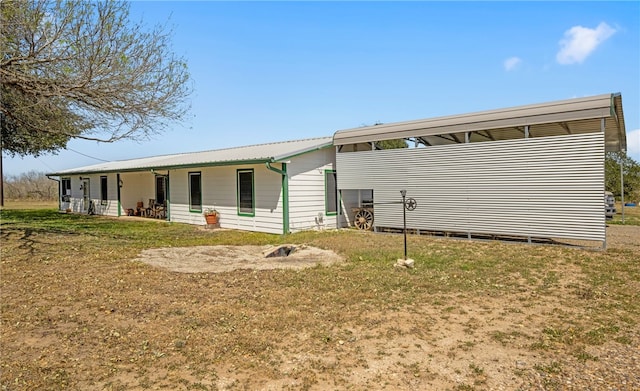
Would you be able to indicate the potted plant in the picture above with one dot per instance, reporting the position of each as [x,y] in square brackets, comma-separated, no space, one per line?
[211,215]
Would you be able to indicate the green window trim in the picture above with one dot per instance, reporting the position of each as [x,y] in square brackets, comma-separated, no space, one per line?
[330,193]
[195,192]
[246,207]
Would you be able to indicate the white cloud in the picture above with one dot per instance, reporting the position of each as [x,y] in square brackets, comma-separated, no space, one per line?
[511,63]
[579,42]
[633,144]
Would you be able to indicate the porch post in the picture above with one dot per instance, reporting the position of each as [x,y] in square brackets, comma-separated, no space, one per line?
[119,199]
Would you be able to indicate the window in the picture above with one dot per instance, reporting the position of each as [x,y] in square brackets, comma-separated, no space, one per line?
[103,190]
[330,192]
[65,189]
[195,192]
[246,204]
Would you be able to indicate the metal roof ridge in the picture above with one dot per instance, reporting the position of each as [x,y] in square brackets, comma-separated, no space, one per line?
[149,160]
[475,114]
[250,146]
[171,155]
[326,144]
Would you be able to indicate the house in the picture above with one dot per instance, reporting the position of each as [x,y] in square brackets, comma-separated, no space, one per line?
[534,171]
[275,188]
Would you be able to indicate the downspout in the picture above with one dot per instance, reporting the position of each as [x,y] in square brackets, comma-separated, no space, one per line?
[285,195]
[59,192]
[167,185]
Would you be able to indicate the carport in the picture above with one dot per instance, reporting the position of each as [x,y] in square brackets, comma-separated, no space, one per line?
[533,172]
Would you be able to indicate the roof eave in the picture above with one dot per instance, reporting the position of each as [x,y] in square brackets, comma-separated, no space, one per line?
[599,106]
[303,151]
[261,160]
[165,167]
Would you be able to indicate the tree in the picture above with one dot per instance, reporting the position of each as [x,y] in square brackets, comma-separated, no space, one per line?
[630,170]
[392,144]
[32,185]
[81,69]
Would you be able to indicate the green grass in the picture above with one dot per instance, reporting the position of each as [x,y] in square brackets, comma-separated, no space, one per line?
[631,215]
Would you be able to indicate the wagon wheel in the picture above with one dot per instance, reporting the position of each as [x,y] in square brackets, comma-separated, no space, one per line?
[364,219]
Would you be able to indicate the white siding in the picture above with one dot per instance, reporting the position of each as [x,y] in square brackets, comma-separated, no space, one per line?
[76,202]
[539,187]
[110,208]
[307,209]
[219,190]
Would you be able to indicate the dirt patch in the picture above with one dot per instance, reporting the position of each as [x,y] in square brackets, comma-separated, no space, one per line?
[218,259]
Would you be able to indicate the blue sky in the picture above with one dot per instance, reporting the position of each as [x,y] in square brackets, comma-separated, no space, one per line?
[274,71]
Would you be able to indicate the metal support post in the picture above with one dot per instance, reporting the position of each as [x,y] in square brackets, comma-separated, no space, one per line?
[404,219]
[622,188]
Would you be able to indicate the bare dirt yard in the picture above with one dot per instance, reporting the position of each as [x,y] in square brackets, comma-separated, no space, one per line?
[102,307]
[217,259]
[450,349]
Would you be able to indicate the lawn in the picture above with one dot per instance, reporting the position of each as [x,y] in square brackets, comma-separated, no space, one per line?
[78,313]
[631,215]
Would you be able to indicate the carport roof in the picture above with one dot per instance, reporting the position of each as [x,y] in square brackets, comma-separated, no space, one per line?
[578,115]
[260,153]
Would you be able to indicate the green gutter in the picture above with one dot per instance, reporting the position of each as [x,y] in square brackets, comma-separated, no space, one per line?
[285,195]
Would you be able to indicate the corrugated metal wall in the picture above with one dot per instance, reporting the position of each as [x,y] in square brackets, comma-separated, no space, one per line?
[550,187]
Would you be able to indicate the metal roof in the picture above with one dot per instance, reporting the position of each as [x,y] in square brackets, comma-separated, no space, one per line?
[572,116]
[260,153]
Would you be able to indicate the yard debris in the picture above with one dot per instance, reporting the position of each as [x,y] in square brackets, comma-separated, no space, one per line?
[280,251]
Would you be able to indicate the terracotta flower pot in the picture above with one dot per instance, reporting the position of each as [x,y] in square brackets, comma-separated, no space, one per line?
[211,219]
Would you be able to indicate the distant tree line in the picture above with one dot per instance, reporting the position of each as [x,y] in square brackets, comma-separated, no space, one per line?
[31,185]
[631,172]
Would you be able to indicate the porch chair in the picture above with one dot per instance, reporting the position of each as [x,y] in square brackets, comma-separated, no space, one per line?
[151,208]
[160,211]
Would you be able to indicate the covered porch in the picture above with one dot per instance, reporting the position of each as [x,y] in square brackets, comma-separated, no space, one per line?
[144,194]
